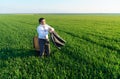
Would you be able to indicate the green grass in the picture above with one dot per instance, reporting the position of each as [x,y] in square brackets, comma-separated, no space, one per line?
[92,50]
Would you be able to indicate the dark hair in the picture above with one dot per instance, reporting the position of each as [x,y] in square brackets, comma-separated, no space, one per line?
[41,19]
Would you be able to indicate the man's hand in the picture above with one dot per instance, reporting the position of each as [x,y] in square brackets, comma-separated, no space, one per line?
[51,30]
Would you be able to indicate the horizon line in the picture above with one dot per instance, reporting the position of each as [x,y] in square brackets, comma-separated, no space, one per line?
[62,13]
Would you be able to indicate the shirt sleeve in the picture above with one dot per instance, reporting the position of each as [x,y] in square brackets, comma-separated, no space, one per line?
[50,28]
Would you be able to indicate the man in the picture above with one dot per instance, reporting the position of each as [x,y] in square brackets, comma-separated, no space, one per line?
[43,30]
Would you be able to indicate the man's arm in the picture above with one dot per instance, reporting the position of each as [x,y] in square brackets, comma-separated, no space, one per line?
[51,29]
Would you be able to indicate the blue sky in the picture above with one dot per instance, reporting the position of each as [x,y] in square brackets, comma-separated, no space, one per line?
[59,6]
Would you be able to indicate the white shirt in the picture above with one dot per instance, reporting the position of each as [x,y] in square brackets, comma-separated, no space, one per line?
[43,31]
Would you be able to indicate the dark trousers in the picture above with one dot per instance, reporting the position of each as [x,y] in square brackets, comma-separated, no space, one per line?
[44,47]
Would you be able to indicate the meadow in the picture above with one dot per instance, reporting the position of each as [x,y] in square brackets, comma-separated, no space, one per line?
[92,49]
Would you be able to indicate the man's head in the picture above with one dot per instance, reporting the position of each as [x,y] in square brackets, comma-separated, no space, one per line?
[42,21]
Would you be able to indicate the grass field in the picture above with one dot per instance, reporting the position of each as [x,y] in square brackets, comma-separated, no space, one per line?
[92,50]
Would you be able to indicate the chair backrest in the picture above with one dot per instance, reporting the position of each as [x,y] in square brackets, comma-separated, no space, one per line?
[36,43]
